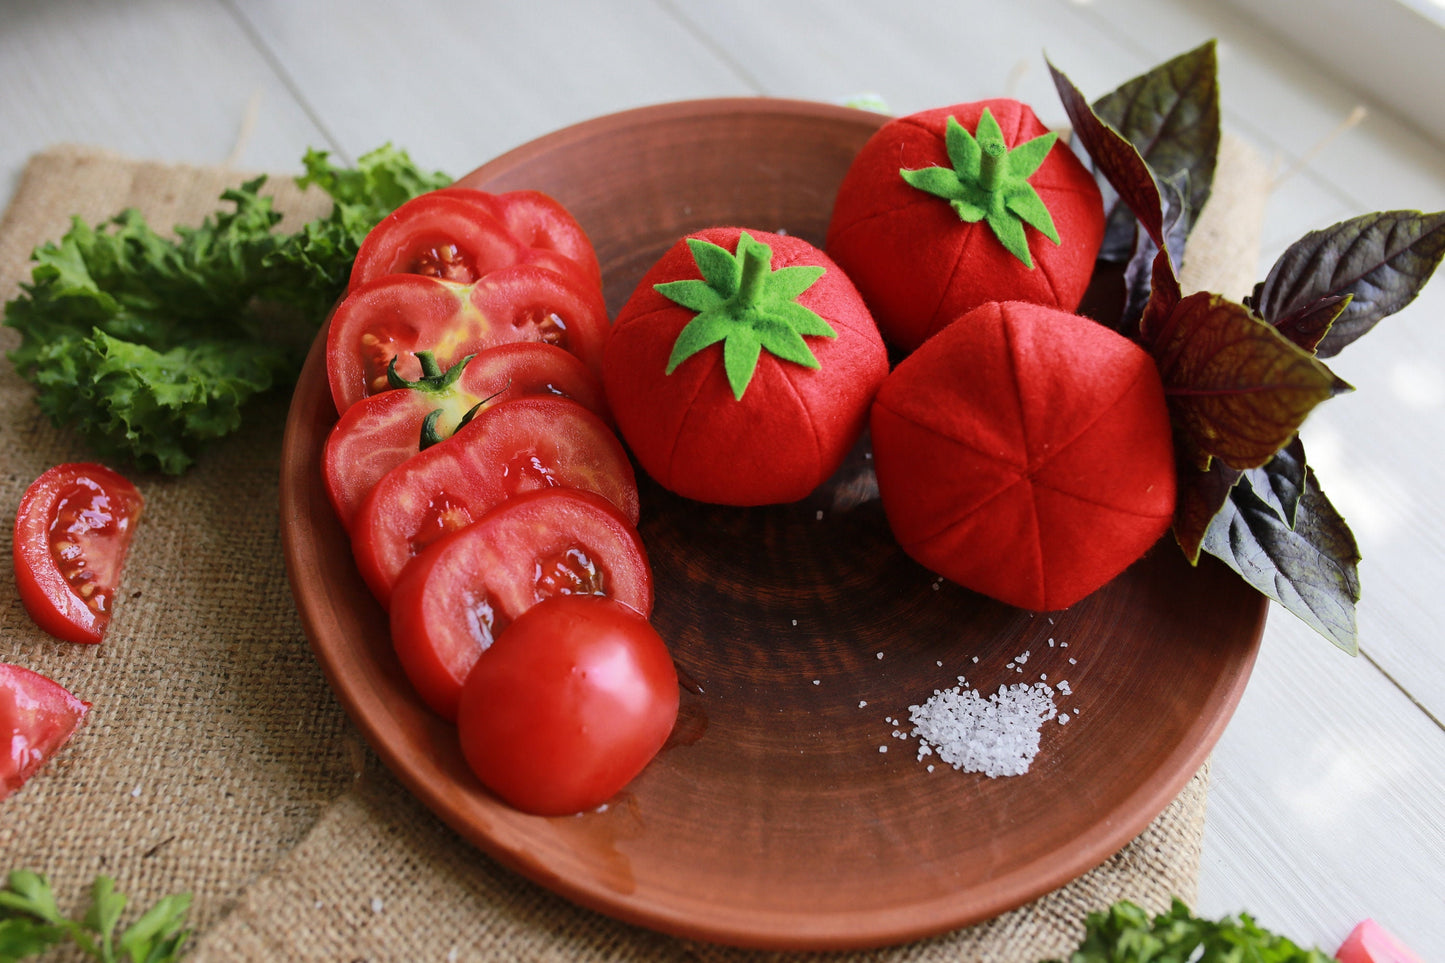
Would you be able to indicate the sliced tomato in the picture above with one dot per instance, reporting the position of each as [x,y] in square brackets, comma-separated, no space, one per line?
[570,704]
[462,235]
[380,432]
[37,716]
[453,599]
[72,532]
[515,447]
[399,315]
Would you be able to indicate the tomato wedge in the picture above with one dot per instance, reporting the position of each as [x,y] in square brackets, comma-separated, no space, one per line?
[380,432]
[454,598]
[569,705]
[37,716]
[72,532]
[461,234]
[515,447]
[401,314]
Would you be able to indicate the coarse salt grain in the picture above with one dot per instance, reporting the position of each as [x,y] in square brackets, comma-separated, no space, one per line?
[377,905]
[862,703]
[997,736]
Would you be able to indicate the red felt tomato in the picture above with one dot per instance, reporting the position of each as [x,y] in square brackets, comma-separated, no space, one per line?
[381,431]
[460,234]
[72,532]
[569,705]
[37,716]
[458,595]
[515,447]
[400,314]
[1025,453]
[741,369]
[944,210]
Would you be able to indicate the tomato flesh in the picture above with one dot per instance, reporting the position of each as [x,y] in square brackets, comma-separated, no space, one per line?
[398,315]
[380,432]
[515,447]
[72,533]
[459,594]
[568,705]
[37,716]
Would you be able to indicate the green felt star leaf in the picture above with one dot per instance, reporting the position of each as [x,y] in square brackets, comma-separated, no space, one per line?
[748,307]
[989,182]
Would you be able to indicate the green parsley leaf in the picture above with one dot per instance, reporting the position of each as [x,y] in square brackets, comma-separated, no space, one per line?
[31,923]
[150,346]
[1125,933]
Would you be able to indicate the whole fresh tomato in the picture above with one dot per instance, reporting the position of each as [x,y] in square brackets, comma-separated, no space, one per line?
[458,595]
[947,209]
[72,532]
[515,447]
[461,234]
[741,369]
[568,706]
[1025,453]
[381,431]
[37,716]
[398,315]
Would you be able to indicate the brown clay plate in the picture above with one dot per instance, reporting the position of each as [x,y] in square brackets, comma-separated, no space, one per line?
[773,818]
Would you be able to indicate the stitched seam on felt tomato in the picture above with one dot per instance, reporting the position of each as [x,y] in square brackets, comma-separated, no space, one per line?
[848,228]
[812,422]
[1037,540]
[1106,506]
[961,442]
[1103,410]
[1043,267]
[713,359]
[933,326]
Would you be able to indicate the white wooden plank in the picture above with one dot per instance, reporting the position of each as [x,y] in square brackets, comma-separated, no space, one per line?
[1325,803]
[172,81]
[457,84]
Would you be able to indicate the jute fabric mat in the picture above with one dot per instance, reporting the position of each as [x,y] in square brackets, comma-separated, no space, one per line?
[217,762]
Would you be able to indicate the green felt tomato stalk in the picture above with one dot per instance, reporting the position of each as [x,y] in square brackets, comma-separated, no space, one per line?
[741,369]
[947,209]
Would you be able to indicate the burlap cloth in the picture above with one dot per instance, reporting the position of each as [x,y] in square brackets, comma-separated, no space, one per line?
[216,761]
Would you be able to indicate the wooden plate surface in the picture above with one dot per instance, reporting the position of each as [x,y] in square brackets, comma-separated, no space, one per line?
[774,818]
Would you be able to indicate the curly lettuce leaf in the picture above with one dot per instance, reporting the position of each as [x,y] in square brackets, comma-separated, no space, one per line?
[149,346]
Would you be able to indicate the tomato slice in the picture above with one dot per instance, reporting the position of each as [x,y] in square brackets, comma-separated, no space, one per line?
[569,706]
[400,314]
[458,595]
[72,532]
[380,432]
[37,716]
[515,447]
[462,235]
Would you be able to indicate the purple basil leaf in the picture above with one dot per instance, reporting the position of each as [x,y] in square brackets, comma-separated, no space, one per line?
[1202,493]
[1380,260]
[1311,569]
[1139,272]
[1281,481]
[1171,115]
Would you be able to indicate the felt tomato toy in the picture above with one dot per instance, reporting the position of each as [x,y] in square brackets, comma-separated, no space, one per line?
[398,315]
[515,447]
[73,530]
[741,369]
[37,716]
[460,234]
[947,209]
[1025,453]
[457,596]
[569,706]
[381,431]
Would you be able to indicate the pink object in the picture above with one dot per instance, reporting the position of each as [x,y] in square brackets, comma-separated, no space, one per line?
[1369,942]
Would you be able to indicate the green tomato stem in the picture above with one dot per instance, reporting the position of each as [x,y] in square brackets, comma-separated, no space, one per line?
[757,266]
[992,166]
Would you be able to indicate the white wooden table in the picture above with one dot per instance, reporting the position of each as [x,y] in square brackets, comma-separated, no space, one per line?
[1328,801]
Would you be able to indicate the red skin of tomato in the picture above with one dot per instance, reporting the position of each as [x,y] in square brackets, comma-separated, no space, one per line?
[381,431]
[1025,453]
[793,426]
[569,705]
[400,314]
[1369,942]
[458,595]
[37,717]
[515,447]
[919,266]
[461,234]
[72,532]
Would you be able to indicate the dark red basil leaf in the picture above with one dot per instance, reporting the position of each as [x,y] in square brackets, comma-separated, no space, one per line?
[1171,115]
[1201,496]
[1237,389]
[1312,568]
[1381,260]
[1281,480]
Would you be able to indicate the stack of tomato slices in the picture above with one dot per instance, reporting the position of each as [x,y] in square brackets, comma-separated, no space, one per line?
[492,510]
